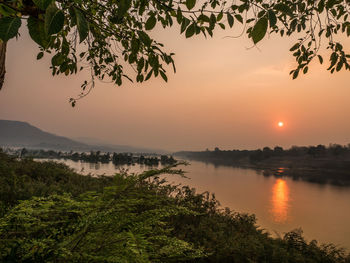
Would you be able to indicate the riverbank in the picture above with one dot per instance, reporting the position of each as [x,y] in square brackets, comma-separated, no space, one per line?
[137,218]
[327,166]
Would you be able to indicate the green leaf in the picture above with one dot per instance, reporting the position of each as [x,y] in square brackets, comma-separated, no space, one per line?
[230,20]
[42,4]
[184,24]
[220,16]
[123,7]
[145,39]
[40,55]
[331,3]
[272,18]
[149,75]
[320,6]
[151,22]
[163,76]
[333,59]
[259,30]
[140,64]
[54,20]
[222,25]
[204,18]
[57,59]
[212,21]
[296,73]
[239,18]
[210,32]
[320,58]
[283,8]
[135,45]
[9,27]
[348,31]
[82,25]
[37,31]
[339,65]
[6,11]
[190,4]
[179,16]
[190,30]
[295,47]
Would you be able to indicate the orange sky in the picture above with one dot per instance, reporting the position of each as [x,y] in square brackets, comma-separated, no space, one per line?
[223,94]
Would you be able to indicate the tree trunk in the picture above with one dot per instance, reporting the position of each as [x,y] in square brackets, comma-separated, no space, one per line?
[2,62]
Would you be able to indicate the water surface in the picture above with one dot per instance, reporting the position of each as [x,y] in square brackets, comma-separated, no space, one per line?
[280,204]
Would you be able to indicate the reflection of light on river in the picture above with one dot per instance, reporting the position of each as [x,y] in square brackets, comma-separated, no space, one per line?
[280,201]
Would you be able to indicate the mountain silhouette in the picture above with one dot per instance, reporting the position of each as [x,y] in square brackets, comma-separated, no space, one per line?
[23,134]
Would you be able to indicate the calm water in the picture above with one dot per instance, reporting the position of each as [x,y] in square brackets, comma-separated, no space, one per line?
[280,205]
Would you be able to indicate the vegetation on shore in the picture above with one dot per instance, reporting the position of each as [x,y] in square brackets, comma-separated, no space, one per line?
[21,179]
[97,156]
[319,164]
[134,218]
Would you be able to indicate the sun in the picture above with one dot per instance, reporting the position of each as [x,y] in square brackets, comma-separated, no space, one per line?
[280,124]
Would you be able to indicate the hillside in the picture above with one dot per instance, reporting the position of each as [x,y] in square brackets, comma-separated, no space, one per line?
[23,134]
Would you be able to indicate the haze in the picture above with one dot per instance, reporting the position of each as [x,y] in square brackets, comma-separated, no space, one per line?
[223,95]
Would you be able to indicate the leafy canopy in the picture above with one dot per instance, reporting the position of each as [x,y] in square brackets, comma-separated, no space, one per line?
[107,35]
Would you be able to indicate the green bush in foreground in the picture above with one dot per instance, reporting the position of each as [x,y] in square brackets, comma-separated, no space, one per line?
[140,218]
[23,179]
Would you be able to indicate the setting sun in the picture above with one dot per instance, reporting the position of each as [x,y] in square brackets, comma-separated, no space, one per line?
[280,124]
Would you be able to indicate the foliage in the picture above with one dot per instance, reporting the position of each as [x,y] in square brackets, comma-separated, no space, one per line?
[125,223]
[140,218]
[106,36]
[23,179]
[95,157]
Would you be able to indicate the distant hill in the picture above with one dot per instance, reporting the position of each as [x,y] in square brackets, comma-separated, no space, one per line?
[22,134]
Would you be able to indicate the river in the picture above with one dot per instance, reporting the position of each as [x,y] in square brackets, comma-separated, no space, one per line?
[280,204]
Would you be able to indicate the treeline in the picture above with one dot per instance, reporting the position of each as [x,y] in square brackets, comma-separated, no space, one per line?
[56,215]
[320,164]
[319,151]
[98,156]
[333,150]
[121,158]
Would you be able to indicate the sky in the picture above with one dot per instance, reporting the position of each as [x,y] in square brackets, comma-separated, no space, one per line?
[225,94]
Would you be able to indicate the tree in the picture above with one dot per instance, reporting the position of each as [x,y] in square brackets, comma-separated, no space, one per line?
[268,152]
[105,36]
[278,150]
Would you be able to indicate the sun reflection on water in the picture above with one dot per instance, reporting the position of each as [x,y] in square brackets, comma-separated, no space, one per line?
[280,201]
